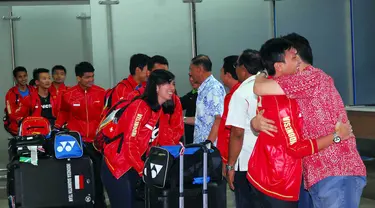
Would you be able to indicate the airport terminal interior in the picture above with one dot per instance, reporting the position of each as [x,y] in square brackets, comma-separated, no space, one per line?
[41,34]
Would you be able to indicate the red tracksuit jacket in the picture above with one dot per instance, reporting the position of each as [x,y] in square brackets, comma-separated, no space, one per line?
[18,107]
[171,126]
[81,110]
[36,103]
[136,124]
[275,166]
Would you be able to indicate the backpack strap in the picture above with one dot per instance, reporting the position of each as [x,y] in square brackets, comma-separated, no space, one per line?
[17,96]
[109,99]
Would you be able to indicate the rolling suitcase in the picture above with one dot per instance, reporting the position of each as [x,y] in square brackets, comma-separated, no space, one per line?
[191,195]
[53,183]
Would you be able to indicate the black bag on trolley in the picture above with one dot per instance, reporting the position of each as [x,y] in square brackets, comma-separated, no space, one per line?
[169,183]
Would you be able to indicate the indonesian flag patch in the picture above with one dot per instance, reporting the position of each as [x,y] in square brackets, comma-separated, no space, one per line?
[79,182]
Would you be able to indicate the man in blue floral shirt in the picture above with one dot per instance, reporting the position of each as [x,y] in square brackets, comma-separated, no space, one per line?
[210,101]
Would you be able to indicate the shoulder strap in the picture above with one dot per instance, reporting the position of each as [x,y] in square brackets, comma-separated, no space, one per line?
[17,96]
[122,110]
[111,91]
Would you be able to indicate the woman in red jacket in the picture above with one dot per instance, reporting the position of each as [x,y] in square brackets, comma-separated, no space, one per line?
[139,126]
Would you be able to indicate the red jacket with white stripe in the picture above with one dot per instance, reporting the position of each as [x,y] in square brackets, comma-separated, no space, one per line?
[80,110]
[136,125]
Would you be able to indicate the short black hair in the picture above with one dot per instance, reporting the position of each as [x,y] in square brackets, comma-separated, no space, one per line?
[156,60]
[82,68]
[273,51]
[202,60]
[58,67]
[35,73]
[229,66]
[251,60]
[302,45]
[32,82]
[38,71]
[138,60]
[18,69]
[157,77]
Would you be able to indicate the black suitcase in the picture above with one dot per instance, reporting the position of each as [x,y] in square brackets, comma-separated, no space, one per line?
[206,195]
[53,183]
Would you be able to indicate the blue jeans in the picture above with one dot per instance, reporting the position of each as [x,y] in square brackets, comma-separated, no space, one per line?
[338,192]
[305,200]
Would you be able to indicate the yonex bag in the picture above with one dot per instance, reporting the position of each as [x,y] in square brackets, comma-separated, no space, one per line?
[68,144]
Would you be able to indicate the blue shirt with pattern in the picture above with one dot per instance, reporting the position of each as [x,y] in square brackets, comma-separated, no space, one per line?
[210,103]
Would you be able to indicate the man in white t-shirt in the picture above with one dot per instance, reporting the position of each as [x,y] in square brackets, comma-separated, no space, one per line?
[242,108]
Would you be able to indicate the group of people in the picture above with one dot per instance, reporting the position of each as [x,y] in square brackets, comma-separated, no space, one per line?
[282,127]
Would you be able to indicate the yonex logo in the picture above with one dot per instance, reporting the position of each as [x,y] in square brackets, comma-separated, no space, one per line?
[67,146]
[155,170]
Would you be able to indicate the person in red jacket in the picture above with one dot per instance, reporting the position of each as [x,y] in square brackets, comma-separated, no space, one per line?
[58,86]
[173,123]
[138,76]
[45,105]
[18,101]
[275,166]
[229,78]
[123,165]
[80,110]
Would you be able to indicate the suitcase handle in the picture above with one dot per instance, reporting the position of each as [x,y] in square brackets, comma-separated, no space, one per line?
[35,127]
[25,138]
[205,146]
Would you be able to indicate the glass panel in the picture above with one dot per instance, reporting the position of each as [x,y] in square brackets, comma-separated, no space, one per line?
[329,35]
[153,27]
[6,80]
[50,35]
[364,30]
[228,27]
[99,44]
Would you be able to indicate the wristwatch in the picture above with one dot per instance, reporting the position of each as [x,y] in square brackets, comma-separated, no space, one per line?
[229,167]
[336,138]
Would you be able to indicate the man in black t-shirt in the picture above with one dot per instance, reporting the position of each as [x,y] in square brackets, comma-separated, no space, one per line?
[47,108]
[44,104]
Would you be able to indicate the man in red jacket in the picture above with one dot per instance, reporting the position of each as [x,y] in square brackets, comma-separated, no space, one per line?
[45,105]
[58,87]
[18,101]
[138,76]
[80,109]
[171,134]
[229,78]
